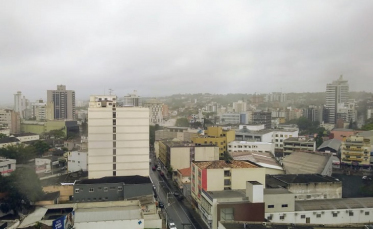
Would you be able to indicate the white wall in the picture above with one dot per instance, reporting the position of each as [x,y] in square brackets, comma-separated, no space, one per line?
[279,137]
[240,146]
[180,158]
[28,138]
[324,216]
[206,153]
[77,161]
[239,176]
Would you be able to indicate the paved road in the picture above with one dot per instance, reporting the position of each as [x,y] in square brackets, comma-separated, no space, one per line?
[176,210]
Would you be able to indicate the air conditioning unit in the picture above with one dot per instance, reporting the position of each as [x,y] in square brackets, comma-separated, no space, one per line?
[264,224]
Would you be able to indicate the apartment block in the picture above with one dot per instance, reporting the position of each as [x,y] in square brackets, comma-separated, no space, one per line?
[355,151]
[118,138]
[155,111]
[299,144]
[216,136]
[223,175]
[11,120]
[63,102]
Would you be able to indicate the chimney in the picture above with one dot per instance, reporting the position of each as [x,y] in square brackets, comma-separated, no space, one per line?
[254,191]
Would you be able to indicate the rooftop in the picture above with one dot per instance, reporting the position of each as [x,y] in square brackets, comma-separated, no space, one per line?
[117,179]
[23,134]
[299,139]
[185,172]
[239,193]
[276,191]
[283,180]
[8,140]
[305,162]
[331,204]
[332,143]
[224,164]
[253,225]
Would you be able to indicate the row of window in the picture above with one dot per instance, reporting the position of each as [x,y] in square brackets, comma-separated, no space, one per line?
[282,205]
[93,199]
[119,188]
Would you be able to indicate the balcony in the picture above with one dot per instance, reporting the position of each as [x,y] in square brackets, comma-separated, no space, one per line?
[353,153]
[353,149]
[352,159]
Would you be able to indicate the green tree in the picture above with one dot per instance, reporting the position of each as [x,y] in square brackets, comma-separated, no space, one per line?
[57,134]
[368,124]
[152,130]
[182,122]
[41,147]
[22,188]
[20,152]
[2,136]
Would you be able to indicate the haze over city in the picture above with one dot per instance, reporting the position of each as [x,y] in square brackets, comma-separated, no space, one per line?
[162,48]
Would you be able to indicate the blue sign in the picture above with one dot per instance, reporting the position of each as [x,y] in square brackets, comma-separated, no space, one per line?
[64,222]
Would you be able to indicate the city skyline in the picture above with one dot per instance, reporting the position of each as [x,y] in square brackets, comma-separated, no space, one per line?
[160,49]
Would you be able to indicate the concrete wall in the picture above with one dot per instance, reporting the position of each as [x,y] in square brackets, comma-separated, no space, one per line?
[330,190]
[241,175]
[123,224]
[77,161]
[206,153]
[280,202]
[215,180]
[324,216]
[180,158]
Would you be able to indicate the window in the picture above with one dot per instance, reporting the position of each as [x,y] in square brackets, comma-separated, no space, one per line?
[114,159]
[302,216]
[114,114]
[271,206]
[366,213]
[105,189]
[282,217]
[284,205]
[77,190]
[351,213]
[91,189]
[120,188]
[114,122]
[114,137]
[226,214]
[335,214]
[308,196]
[318,215]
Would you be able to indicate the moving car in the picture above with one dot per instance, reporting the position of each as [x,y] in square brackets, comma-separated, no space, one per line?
[160,204]
[153,168]
[159,168]
[171,225]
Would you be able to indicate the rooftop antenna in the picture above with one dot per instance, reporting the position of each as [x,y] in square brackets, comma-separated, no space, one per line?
[110,91]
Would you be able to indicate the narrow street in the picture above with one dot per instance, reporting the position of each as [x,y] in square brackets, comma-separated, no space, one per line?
[179,212]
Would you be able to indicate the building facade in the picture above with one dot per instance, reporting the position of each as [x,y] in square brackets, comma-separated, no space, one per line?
[77,161]
[118,139]
[262,117]
[355,151]
[244,146]
[7,166]
[132,100]
[63,102]
[336,93]
[11,120]
[299,144]
[155,111]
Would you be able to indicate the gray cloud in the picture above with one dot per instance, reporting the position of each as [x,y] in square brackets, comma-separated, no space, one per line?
[162,47]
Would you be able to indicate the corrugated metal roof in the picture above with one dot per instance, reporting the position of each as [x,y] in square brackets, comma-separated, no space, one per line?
[304,162]
[330,204]
[332,143]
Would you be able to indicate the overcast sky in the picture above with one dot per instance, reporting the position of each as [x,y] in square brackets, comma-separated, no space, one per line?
[165,47]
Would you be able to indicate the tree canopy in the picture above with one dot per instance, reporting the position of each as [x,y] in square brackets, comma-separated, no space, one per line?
[41,147]
[22,187]
[182,122]
[368,124]
[22,153]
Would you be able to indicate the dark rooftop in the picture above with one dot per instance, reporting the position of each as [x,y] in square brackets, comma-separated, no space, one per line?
[8,140]
[274,181]
[118,179]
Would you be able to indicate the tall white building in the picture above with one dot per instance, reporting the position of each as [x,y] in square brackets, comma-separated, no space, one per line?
[336,93]
[21,104]
[132,100]
[118,138]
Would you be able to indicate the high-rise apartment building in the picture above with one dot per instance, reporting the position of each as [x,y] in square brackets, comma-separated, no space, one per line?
[239,106]
[64,102]
[132,100]
[118,138]
[336,93]
[262,117]
[11,120]
[21,105]
[155,111]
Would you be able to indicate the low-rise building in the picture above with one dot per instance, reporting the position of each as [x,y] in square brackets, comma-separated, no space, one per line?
[7,166]
[306,186]
[216,136]
[183,180]
[308,163]
[76,161]
[178,155]
[332,146]
[356,151]
[259,147]
[26,137]
[8,141]
[112,188]
[299,144]
[223,175]
[181,133]
[232,205]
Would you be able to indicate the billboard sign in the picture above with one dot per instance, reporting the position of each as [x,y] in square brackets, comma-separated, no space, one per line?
[64,222]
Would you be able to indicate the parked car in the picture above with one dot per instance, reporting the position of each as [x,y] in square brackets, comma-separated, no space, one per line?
[47,171]
[153,168]
[160,205]
[162,174]
[176,194]
[159,168]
